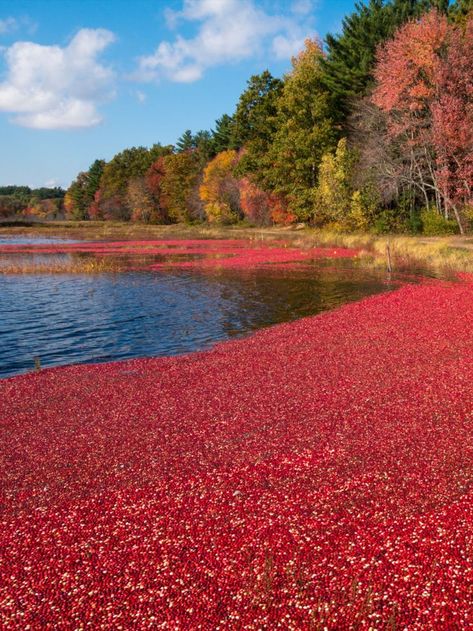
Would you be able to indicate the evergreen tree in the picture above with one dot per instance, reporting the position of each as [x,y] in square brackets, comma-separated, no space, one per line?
[255,115]
[222,135]
[204,143]
[81,192]
[94,175]
[186,141]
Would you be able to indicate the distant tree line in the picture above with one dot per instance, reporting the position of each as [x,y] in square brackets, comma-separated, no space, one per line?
[23,200]
[373,131]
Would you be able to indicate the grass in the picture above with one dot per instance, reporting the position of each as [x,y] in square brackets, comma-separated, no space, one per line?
[436,253]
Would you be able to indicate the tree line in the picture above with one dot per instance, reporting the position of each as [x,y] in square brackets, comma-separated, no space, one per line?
[372,130]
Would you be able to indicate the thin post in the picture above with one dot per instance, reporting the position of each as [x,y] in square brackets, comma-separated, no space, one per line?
[388,258]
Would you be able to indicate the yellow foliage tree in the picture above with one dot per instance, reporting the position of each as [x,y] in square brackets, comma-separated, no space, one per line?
[219,189]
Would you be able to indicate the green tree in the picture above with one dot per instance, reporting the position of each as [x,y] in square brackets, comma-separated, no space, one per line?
[222,135]
[94,175]
[186,141]
[304,133]
[80,194]
[75,202]
[255,116]
[204,143]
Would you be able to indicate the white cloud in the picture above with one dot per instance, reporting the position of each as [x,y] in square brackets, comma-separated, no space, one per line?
[10,24]
[49,87]
[229,31]
[285,47]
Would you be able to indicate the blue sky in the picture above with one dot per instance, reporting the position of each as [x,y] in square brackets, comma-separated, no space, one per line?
[83,79]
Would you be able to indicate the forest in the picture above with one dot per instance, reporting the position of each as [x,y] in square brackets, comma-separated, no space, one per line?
[370,130]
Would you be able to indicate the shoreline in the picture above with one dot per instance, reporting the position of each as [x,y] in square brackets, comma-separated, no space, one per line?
[316,472]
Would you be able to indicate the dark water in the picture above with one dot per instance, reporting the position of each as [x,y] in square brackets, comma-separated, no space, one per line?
[65,319]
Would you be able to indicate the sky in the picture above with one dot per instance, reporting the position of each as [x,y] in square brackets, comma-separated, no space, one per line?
[84,79]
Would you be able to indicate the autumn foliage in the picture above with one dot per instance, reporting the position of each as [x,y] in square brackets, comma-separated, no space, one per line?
[219,189]
[424,84]
[394,88]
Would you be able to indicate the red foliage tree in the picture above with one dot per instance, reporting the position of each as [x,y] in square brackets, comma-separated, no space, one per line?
[424,84]
[453,119]
[280,213]
[255,203]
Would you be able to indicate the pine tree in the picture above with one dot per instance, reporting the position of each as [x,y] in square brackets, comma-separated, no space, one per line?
[94,175]
[222,135]
[80,194]
[204,143]
[186,141]
[255,115]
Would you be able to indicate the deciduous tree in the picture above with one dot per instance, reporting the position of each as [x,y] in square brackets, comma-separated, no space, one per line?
[179,186]
[304,133]
[219,189]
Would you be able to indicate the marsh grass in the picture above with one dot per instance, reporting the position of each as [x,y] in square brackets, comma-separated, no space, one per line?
[446,254]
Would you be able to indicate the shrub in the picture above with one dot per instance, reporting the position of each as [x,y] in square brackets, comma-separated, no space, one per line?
[434,224]
[389,221]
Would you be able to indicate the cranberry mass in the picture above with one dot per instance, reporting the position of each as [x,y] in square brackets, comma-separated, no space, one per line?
[315,473]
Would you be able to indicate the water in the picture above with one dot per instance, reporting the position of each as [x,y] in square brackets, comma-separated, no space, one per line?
[25,240]
[66,319]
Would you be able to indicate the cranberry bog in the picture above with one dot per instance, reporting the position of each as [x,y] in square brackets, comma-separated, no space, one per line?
[317,474]
[164,253]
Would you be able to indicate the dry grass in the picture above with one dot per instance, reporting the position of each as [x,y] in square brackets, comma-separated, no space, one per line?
[436,253]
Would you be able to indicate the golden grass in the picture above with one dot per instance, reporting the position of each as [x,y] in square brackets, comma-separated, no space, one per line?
[436,253]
